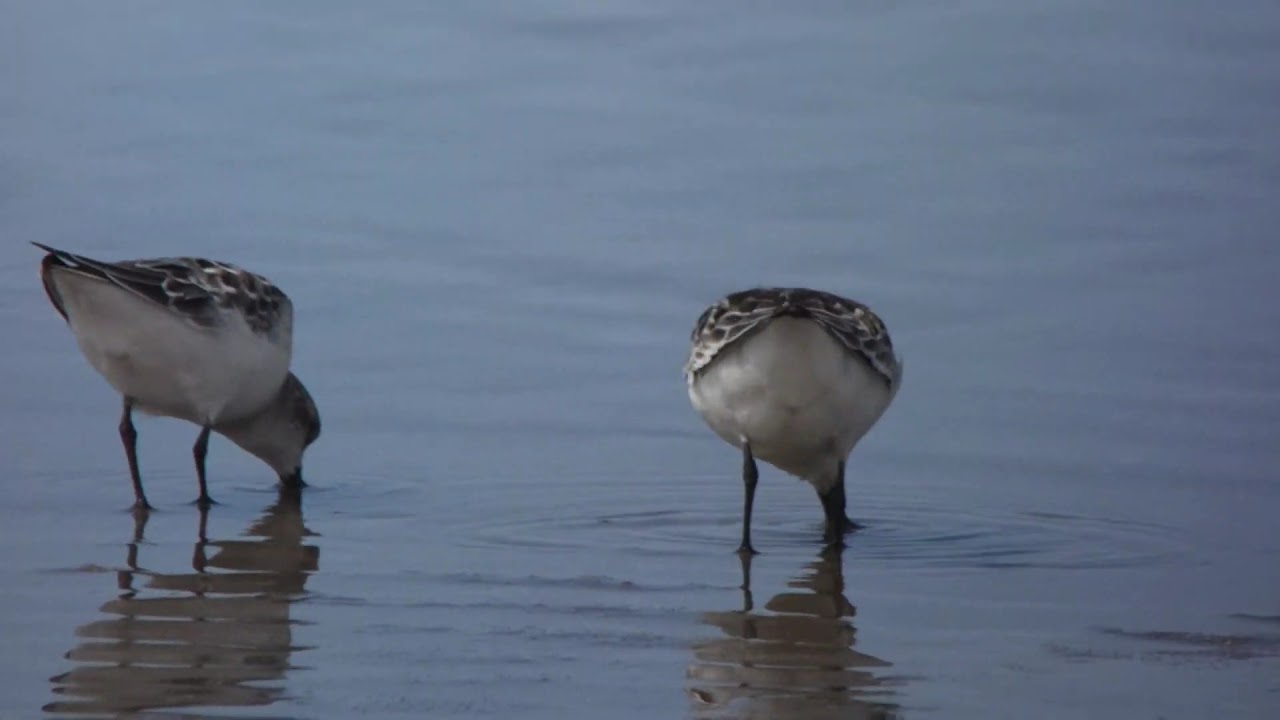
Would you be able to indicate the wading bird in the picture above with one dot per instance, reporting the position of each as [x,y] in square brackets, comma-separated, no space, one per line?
[794,377]
[193,339]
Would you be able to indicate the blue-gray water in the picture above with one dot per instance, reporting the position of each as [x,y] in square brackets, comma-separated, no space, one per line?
[498,222]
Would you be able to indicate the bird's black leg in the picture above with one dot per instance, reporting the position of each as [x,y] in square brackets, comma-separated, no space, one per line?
[833,503]
[129,437]
[198,451]
[750,476]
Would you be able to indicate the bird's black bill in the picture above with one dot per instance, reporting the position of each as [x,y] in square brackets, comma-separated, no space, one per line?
[833,506]
[293,480]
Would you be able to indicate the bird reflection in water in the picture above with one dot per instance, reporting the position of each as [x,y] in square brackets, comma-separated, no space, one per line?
[217,636]
[794,661]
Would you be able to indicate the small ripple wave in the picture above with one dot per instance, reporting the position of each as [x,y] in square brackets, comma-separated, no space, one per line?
[925,528]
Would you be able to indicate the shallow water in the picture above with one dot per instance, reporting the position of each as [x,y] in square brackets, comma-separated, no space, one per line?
[498,225]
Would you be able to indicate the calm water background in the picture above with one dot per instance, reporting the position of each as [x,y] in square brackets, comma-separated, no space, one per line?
[498,222]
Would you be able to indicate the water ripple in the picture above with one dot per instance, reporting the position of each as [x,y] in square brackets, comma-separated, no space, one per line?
[907,530]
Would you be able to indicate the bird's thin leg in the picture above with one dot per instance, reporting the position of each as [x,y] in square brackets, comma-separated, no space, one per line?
[198,451]
[750,476]
[129,437]
[833,504]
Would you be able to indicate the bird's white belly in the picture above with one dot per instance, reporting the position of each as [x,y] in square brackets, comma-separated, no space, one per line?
[796,395]
[165,364]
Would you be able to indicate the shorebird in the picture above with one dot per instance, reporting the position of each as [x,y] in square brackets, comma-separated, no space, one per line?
[193,339]
[794,377]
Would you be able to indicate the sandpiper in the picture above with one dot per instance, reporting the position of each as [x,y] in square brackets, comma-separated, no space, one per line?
[193,339]
[794,377]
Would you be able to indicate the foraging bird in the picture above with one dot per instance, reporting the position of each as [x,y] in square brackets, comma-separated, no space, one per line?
[794,377]
[194,339]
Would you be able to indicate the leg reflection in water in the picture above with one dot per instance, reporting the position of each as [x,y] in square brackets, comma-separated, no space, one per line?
[795,659]
[219,635]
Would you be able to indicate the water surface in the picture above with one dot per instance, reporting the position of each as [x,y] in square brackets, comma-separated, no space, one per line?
[498,224]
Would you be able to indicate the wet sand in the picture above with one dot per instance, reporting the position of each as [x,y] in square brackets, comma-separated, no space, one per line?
[498,227]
